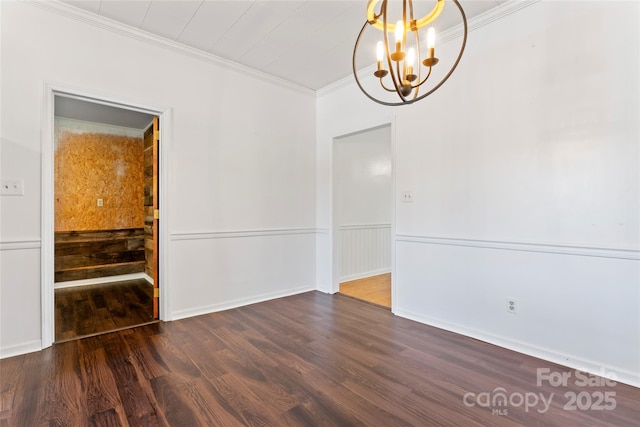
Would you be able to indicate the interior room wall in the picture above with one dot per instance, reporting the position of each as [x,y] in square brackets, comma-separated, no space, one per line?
[363,191]
[524,168]
[98,202]
[95,161]
[241,171]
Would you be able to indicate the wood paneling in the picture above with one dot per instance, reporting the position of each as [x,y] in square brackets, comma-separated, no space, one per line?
[307,360]
[148,200]
[92,166]
[156,216]
[91,254]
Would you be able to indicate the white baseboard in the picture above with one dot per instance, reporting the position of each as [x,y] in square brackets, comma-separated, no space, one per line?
[197,311]
[99,280]
[24,348]
[365,274]
[570,361]
[148,278]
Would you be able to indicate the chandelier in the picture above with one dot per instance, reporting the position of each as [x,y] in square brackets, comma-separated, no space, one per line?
[403,67]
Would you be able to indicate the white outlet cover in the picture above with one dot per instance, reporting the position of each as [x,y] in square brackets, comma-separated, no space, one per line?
[12,187]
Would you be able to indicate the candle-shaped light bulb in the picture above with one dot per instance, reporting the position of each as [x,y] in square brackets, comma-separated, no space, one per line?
[380,51]
[409,59]
[411,56]
[399,31]
[380,72]
[398,55]
[431,48]
[431,38]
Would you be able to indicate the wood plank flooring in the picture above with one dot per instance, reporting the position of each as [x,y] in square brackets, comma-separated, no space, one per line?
[93,309]
[374,289]
[306,360]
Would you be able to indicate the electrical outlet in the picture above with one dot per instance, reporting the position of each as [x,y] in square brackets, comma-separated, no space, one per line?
[12,187]
[407,197]
[512,305]
[100,203]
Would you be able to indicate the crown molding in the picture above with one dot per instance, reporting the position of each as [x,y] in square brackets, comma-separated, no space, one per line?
[486,18]
[474,23]
[80,15]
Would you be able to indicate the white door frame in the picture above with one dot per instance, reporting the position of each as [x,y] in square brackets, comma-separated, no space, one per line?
[47,225]
[335,232]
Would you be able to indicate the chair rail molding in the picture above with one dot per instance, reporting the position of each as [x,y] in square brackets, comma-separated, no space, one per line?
[229,234]
[22,244]
[619,253]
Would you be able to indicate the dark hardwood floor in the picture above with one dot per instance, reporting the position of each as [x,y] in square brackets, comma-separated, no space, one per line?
[93,309]
[306,360]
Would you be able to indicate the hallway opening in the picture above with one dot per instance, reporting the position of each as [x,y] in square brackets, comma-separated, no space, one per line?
[363,211]
[105,164]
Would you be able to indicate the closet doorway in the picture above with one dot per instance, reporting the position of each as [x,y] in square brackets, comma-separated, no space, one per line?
[106,213]
[363,202]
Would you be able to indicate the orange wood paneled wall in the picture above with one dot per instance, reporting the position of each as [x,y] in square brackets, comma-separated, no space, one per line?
[148,200]
[92,166]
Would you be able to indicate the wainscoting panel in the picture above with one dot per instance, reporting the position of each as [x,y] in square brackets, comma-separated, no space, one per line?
[218,270]
[365,250]
[20,281]
[577,306]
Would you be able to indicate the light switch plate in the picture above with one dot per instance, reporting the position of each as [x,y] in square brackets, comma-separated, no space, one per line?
[12,187]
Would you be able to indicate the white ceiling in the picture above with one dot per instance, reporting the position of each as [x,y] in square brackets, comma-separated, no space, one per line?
[307,42]
[87,111]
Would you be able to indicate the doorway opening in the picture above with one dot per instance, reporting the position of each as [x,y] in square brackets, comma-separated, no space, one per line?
[363,210]
[102,252]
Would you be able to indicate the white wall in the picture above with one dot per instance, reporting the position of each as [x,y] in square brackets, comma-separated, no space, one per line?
[363,183]
[524,168]
[364,177]
[241,173]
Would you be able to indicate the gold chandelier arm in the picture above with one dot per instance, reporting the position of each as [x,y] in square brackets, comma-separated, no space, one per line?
[372,18]
[375,17]
[418,57]
[425,79]
[399,74]
[393,89]
[393,74]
